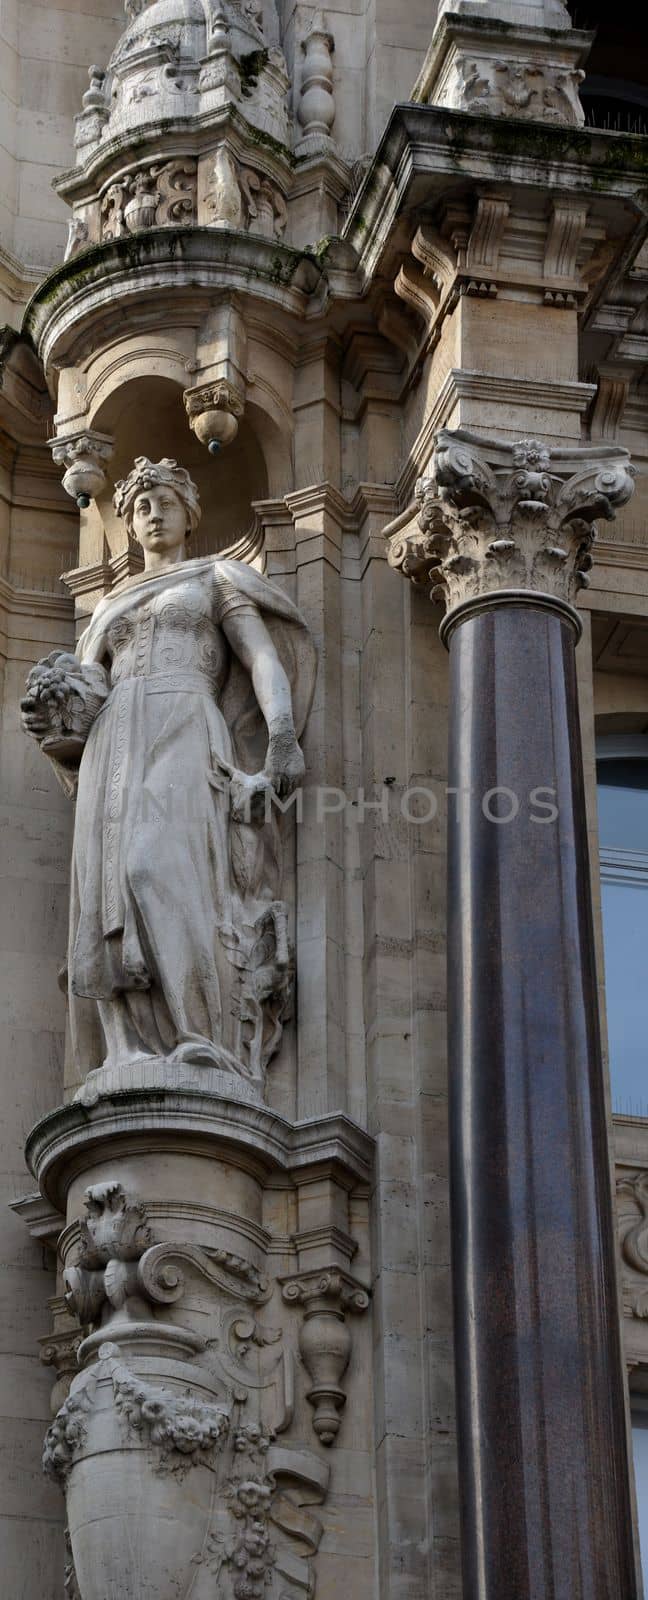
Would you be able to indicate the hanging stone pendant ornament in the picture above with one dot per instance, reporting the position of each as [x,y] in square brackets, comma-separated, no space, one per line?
[85,457]
[180,963]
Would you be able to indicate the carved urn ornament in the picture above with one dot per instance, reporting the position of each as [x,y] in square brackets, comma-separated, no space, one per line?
[176,725]
[166,1450]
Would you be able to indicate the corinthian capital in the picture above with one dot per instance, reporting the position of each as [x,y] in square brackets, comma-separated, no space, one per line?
[495,517]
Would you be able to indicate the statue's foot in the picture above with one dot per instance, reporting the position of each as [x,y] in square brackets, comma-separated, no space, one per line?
[195,1064]
[195,1051]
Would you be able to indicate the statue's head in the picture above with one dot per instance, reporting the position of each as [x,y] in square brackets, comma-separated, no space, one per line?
[151,478]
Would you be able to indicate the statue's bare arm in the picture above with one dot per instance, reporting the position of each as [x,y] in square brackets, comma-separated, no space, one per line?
[252,643]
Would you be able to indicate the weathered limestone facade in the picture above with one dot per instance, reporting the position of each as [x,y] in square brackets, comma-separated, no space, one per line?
[366,276]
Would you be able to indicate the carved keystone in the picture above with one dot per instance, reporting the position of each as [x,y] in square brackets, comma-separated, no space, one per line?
[511,518]
[325,1340]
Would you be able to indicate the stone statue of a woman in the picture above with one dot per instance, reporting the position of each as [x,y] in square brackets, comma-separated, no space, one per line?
[178,715]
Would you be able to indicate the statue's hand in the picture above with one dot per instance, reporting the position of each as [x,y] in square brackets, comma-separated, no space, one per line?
[284,763]
[47,691]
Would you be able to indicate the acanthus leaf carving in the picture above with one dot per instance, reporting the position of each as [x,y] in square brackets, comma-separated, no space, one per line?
[494,516]
[120,1263]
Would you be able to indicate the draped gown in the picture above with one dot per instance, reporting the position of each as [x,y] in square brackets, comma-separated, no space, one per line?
[154,904]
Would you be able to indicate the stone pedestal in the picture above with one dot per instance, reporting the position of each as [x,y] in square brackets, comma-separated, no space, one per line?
[178,1447]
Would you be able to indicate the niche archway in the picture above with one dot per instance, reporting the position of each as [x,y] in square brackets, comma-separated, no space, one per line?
[146,416]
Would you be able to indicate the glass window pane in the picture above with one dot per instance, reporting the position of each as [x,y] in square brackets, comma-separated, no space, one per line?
[623,804]
[640,1452]
[625,928]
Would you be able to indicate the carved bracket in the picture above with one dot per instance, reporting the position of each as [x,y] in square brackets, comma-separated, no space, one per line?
[325,1340]
[214,411]
[85,455]
[494,516]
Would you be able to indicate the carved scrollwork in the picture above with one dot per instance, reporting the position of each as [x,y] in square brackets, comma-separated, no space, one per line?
[493,516]
[120,1263]
[161,1276]
[160,196]
[633,1237]
[238,196]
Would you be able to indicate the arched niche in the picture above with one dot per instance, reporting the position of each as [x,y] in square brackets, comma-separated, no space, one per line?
[146,417]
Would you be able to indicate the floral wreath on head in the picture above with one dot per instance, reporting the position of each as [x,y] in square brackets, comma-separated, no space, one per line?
[147,474]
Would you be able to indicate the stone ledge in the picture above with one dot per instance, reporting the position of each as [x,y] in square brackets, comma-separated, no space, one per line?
[161,262]
[259,1138]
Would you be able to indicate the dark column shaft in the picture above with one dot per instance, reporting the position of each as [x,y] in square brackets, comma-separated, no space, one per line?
[542,1446]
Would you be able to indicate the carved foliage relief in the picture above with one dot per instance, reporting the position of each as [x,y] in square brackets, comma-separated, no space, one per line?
[493,516]
[168,1405]
[512,88]
[160,196]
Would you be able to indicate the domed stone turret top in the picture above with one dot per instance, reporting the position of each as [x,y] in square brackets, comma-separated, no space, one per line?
[187,125]
[180,59]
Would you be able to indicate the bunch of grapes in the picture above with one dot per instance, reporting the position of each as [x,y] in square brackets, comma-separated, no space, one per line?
[49,684]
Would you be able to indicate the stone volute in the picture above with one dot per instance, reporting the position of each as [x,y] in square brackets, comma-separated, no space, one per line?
[509,521]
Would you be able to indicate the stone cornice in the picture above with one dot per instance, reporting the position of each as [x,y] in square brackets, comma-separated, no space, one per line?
[426,147]
[539,394]
[44,1222]
[497,518]
[18,278]
[249,1134]
[34,602]
[157,267]
[182,136]
[322,498]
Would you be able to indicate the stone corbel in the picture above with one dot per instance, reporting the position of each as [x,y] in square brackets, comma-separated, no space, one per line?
[609,405]
[325,1342]
[85,456]
[214,411]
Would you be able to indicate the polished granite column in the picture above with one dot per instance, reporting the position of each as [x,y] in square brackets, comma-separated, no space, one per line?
[504,535]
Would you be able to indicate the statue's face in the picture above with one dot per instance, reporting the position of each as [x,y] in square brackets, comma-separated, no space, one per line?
[160,520]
